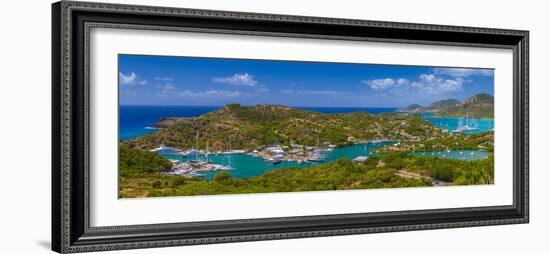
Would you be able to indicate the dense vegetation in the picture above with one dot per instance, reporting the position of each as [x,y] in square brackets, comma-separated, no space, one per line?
[250,127]
[456,141]
[458,172]
[478,106]
[134,162]
[445,103]
[375,172]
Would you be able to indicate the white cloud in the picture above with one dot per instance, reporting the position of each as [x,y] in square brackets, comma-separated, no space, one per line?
[432,84]
[426,83]
[402,82]
[263,90]
[127,79]
[427,78]
[211,94]
[462,72]
[167,89]
[237,79]
[309,92]
[385,83]
[170,90]
[130,79]
[164,78]
[379,84]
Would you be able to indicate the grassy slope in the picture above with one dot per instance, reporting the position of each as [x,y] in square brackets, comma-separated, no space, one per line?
[340,175]
[457,141]
[134,162]
[249,127]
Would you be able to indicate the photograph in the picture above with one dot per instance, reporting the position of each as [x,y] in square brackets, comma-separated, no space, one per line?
[207,126]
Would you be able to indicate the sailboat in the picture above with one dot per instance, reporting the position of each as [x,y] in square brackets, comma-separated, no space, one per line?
[193,151]
[318,155]
[464,125]
[162,149]
[276,159]
[227,157]
[206,152]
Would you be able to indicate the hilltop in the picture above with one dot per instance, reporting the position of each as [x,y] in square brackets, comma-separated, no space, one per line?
[445,103]
[250,127]
[478,106]
[413,107]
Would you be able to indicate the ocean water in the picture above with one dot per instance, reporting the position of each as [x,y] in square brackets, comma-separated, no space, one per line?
[137,121]
[453,123]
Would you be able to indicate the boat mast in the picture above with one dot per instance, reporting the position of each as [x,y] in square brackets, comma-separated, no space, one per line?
[197,145]
[206,151]
[319,144]
[229,155]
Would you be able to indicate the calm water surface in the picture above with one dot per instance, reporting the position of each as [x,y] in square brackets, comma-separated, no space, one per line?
[453,123]
[248,166]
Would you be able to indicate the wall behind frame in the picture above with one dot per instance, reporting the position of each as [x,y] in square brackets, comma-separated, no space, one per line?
[25,128]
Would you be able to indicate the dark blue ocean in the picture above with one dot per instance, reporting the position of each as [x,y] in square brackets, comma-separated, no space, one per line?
[136,121]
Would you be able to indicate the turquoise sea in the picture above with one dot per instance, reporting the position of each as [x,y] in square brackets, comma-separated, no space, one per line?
[248,166]
[454,123]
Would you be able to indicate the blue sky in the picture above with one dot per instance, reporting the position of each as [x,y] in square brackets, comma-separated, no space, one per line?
[158,80]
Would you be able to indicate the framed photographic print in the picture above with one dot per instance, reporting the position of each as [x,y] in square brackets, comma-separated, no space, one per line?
[181,126]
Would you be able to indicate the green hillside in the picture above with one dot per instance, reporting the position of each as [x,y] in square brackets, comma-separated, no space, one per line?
[445,103]
[250,127]
[478,106]
[383,172]
[413,107]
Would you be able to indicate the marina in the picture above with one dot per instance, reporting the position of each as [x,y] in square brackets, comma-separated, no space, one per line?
[245,165]
[462,124]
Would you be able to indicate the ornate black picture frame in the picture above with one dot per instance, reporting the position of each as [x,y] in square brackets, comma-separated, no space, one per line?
[71,231]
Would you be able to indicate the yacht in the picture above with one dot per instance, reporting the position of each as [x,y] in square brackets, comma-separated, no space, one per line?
[190,153]
[162,149]
[276,159]
[360,159]
[465,125]
[317,157]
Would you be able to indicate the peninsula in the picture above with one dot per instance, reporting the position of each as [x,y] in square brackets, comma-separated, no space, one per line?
[478,106]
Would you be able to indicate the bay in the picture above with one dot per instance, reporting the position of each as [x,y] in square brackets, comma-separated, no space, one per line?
[245,166]
[454,123]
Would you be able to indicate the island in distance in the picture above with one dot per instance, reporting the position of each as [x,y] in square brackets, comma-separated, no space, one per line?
[478,106]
